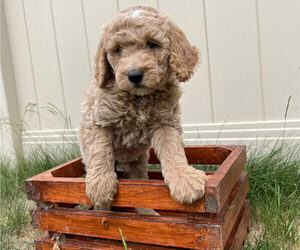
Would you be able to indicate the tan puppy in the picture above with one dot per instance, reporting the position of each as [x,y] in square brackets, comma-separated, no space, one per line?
[133,103]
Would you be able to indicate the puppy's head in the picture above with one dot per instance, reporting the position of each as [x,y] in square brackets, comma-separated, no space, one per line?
[141,49]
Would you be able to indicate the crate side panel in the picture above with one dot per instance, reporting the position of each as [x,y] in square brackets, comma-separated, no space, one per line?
[131,193]
[149,196]
[201,154]
[234,207]
[232,174]
[75,169]
[54,190]
[158,230]
[72,242]
[241,228]
[228,216]
[220,185]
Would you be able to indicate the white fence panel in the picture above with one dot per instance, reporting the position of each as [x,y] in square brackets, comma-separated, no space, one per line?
[43,49]
[74,62]
[234,60]
[280,40]
[22,60]
[196,100]
[127,3]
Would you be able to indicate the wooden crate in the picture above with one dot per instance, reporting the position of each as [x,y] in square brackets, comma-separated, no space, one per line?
[218,221]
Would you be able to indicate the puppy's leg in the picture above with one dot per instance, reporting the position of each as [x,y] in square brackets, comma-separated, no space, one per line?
[186,184]
[138,170]
[101,179]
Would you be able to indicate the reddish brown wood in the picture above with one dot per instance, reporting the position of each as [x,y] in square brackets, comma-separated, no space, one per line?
[228,216]
[72,242]
[144,193]
[238,235]
[135,227]
[180,225]
[220,185]
[152,174]
[201,154]
[185,232]
[234,206]
[131,193]
[195,155]
[75,168]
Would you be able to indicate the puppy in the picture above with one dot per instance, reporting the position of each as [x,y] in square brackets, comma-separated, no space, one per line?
[132,104]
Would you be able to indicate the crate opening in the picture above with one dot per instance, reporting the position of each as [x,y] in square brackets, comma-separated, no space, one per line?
[204,158]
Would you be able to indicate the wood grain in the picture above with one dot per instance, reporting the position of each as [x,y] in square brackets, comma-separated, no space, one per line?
[241,228]
[167,231]
[220,185]
[72,242]
[131,193]
[201,154]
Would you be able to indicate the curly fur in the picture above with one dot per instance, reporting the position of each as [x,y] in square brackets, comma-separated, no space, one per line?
[120,121]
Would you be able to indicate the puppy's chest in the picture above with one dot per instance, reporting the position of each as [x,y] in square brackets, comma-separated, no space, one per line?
[135,119]
[133,128]
[132,122]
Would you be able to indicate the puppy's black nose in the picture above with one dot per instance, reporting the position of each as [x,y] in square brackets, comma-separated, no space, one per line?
[135,76]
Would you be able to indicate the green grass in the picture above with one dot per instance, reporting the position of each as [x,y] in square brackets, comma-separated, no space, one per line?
[275,199]
[15,230]
[274,194]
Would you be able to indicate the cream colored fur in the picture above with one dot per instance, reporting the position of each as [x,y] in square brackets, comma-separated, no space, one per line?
[120,122]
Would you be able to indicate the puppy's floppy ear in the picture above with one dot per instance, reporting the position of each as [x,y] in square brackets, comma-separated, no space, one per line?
[184,57]
[103,71]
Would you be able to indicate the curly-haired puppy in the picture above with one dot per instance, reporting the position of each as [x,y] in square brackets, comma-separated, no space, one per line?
[133,103]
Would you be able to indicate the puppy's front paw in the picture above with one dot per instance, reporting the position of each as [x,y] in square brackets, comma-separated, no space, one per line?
[186,184]
[101,189]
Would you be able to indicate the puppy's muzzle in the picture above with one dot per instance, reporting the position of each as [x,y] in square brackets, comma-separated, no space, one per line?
[136,77]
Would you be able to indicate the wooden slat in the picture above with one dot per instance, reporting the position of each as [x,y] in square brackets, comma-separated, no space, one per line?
[70,242]
[241,228]
[151,193]
[234,206]
[187,232]
[201,154]
[169,231]
[137,193]
[229,214]
[219,187]
[74,168]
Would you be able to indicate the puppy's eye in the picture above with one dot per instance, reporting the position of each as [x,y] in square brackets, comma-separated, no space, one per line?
[118,50]
[151,45]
